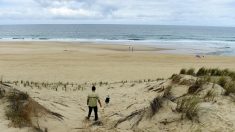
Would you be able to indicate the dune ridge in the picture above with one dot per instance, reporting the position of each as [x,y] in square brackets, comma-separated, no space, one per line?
[190,101]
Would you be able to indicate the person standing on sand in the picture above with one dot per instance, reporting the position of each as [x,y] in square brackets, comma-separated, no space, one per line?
[92,100]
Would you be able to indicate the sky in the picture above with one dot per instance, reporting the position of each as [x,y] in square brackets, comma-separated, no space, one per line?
[154,12]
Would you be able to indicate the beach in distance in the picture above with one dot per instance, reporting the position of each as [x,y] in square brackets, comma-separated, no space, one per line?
[89,61]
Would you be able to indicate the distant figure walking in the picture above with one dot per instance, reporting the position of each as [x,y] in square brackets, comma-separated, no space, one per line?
[92,100]
[132,49]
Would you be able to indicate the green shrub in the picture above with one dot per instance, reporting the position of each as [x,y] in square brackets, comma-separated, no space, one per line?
[191,71]
[225,72]
[222,81]
[215,72]
[232,75]
[206,79]
[202,72]
[183,71]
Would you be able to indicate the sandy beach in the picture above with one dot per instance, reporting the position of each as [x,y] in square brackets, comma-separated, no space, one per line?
[86,61]
[57,77]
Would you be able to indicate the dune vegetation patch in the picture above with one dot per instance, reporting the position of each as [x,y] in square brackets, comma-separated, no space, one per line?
[22,110]
[223,77]
[189,107]
[18,110]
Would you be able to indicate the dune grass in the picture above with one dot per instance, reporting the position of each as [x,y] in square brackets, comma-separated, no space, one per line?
[210,95]
[175,78]
[190,71]
[209,72]
[222,81]
[17,111]
[196,87]
[189,107]
[155,105]
[229,87]
[183,71]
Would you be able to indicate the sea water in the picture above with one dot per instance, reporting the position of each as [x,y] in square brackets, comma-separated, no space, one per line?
[183,39]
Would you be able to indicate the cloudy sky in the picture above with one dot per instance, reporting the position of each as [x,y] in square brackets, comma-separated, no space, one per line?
[160,12]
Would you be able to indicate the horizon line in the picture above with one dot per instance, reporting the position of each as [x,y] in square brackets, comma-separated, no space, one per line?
[114,24]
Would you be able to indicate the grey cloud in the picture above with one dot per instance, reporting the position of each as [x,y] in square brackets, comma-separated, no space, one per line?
[197,12]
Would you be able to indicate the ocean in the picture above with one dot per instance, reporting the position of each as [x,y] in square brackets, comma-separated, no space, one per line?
[183,39]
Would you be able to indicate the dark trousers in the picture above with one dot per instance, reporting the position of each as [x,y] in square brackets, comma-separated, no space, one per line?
[95,110]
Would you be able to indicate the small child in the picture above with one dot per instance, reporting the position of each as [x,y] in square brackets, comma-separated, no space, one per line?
[107,100]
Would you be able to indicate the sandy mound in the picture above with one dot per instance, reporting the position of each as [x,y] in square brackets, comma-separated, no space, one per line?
[182,103]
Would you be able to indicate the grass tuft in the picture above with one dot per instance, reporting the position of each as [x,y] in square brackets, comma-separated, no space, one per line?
[155,105]
[202,72]
[222,81]
[196,87]
[189,107]
[17,111]
[229,87]
[210,95]
[191,71]
[168,94]
[183,71]
[176,78]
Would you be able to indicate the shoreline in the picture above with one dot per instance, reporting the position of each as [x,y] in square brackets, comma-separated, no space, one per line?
[168,47]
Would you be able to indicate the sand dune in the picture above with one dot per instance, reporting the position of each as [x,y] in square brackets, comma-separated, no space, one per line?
[130,108]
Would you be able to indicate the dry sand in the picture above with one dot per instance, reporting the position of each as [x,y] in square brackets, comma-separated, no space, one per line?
[87,62]
[80,62]
[126,98]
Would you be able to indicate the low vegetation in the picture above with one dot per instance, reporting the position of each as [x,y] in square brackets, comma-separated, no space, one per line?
[175,78]
[188,106]
[222,81]
[209,72]
[210,95]
[196,87]
[190,71]
[183,71]
[202,72]
[17,111]
[223,77]
[229,87]
[155,105]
